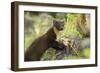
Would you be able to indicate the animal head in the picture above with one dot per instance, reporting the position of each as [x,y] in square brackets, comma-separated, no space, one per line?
[58,24]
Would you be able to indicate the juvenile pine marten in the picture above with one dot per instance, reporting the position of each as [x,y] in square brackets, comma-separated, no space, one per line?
[40,45]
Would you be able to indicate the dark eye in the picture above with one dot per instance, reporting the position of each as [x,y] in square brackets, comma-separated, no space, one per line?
[55,22]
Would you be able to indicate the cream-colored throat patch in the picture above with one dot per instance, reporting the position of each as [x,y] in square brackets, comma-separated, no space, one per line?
[55,30]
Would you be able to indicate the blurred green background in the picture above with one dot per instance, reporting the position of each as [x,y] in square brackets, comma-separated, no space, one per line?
[38,23]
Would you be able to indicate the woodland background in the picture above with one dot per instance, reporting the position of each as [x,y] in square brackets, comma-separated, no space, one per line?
[38,23]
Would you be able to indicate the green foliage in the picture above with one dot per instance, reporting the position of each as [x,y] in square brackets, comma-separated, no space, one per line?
[72,57]
[49,54]
[70,27]
[86,52]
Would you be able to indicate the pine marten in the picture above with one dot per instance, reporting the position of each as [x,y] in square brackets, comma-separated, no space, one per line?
[48,40]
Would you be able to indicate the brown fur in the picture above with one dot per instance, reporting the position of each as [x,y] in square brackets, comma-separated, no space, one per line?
[40,45]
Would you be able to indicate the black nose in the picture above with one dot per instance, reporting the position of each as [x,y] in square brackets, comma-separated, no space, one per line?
[61,28]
